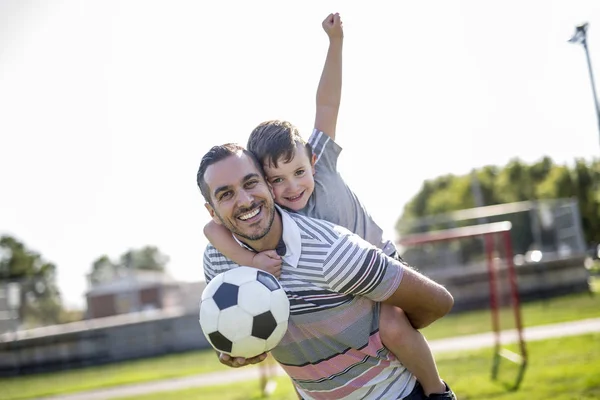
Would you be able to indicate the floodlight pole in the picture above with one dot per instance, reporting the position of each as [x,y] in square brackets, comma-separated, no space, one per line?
[580,36]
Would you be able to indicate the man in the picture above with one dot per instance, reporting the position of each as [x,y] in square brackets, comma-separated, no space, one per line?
[334,280]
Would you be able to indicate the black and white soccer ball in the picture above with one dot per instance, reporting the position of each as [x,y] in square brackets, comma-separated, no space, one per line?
[244,312]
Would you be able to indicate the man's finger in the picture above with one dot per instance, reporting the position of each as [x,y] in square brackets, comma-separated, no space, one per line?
[257,359]
[225,359]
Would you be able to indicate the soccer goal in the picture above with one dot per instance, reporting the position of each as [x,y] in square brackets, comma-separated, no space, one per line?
[470,258]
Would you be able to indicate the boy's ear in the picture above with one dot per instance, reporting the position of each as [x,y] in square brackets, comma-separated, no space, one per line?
[213,214]
[313,161]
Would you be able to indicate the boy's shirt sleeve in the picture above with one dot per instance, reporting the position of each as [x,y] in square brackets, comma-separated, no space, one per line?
[326,150]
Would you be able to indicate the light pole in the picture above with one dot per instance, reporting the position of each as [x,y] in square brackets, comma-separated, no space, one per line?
[580,36]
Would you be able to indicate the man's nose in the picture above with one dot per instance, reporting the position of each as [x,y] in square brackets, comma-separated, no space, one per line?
[245,198]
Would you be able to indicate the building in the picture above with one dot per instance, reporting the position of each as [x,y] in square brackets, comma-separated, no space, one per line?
[134,291]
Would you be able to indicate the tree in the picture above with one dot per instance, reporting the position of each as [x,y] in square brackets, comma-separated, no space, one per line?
[516,181]
[148,258]
[40,298]
[102,269]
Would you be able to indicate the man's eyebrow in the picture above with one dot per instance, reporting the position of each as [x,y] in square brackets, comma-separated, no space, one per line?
[221,189]
[250,176]
[228,187]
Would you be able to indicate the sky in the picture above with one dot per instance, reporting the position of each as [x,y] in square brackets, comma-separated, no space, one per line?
[106,107]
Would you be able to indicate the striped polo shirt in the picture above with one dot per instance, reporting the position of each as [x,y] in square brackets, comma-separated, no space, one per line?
[334,281]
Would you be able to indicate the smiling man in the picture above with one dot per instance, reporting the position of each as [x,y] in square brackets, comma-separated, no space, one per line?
[335,282]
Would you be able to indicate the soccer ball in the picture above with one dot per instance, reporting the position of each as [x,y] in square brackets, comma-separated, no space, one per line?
[244,312]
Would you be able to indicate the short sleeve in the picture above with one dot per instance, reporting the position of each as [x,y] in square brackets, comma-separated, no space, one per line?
[209,271]
[326,150]
[356,267]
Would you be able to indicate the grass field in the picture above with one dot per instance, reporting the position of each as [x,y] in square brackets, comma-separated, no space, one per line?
[176,365]
[559,369]
[554,310]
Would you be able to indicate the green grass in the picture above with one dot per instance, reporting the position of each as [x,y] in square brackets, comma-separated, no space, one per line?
[553,310]
[559,369]
[175,365]
[247,390]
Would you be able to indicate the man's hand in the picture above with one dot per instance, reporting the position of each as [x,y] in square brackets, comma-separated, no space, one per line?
[237,362]
[268,261]
[332,25]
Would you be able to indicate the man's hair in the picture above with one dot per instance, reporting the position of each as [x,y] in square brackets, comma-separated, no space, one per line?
[275,140]
[213,156]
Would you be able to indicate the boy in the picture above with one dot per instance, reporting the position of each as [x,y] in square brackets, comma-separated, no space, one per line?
[304,179]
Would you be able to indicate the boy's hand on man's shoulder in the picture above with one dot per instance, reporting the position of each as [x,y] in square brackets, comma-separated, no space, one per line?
[332,25]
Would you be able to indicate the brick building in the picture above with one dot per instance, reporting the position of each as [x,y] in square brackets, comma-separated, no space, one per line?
[133,292]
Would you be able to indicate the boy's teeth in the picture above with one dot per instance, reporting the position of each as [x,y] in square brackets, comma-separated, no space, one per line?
[249,215]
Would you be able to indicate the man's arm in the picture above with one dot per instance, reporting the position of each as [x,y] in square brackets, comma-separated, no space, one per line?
[329,92]
[422,300]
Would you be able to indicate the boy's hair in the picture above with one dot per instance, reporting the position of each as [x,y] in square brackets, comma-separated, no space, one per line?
[216,154]
[272,141]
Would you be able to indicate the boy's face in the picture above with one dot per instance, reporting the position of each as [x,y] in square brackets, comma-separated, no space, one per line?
[293,182]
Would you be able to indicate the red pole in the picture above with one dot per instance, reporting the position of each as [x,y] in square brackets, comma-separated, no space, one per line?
[514,291]
[489,249]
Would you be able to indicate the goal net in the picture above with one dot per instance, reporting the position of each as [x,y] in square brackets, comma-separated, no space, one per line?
[476,264]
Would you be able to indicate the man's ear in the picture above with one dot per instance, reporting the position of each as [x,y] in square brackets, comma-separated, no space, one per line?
[270,188]
[213,214]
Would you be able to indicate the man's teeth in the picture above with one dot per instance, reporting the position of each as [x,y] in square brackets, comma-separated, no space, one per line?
[249,215]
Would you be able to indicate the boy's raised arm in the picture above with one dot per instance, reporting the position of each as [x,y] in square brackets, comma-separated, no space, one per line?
[329,92]
[220,237]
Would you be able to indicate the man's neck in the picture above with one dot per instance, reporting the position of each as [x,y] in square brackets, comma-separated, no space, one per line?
[271,239]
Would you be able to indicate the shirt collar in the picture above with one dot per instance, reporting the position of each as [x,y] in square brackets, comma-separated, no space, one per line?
[291,237]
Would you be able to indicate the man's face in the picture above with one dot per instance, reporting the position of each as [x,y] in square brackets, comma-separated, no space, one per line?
[241,199]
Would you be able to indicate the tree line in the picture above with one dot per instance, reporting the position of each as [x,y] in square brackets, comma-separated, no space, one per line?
[513,182]
[40,300]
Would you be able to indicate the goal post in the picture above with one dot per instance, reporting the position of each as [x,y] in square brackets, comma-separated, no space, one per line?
[499,261]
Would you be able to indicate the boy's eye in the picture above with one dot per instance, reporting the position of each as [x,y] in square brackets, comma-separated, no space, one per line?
[277,180]
[300,172]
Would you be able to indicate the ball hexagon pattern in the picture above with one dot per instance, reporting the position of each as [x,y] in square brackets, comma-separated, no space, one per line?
[244,312]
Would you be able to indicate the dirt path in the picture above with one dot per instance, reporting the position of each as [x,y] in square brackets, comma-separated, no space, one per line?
[470,342]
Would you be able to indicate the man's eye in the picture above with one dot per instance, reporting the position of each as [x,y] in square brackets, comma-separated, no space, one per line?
[251,184]
[225,195]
